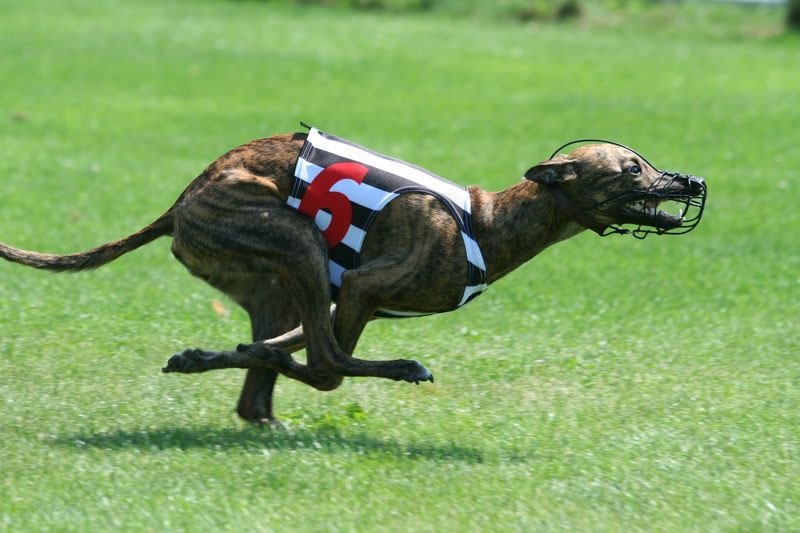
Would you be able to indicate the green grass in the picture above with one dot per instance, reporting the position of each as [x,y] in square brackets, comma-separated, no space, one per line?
[610,384]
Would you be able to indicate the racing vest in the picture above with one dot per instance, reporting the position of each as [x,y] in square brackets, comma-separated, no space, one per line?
[343,186]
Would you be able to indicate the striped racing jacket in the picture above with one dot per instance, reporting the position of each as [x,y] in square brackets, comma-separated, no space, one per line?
[366,182]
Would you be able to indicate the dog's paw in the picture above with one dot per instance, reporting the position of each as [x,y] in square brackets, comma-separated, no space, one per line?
[187,362]
[417,373]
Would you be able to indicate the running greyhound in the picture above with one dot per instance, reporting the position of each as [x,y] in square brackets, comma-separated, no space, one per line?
[287,225]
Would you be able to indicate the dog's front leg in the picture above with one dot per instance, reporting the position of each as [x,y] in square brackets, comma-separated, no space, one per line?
[271,314]
[360,290]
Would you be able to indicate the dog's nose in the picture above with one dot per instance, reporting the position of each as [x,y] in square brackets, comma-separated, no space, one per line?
[696,185]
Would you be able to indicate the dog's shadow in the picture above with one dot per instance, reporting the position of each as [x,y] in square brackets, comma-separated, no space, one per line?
[259,440]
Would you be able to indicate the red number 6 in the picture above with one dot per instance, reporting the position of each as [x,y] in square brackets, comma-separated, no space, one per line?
[319,196]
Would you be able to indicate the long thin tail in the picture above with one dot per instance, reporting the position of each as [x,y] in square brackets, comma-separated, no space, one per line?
[94,258]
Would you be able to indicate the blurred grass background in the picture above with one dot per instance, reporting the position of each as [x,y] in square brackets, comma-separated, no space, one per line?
[609,384]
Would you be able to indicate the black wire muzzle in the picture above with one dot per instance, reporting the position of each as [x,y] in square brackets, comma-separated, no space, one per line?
[692,197]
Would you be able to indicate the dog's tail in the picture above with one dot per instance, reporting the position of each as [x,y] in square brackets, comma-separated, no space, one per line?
[94,258]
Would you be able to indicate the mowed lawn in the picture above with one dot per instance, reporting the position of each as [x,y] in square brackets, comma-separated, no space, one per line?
[609,384]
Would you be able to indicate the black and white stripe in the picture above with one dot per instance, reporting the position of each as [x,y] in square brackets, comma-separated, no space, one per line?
[385,180]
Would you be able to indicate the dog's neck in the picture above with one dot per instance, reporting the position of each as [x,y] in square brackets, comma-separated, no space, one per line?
[514,225]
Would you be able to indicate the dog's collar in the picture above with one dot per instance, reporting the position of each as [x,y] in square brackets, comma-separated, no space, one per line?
[571,211]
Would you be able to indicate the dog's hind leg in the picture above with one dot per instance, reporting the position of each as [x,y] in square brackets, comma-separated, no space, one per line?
[244,258]
[264,360]
[272,354]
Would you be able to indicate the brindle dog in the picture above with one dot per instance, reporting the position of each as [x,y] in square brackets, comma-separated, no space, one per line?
[232,228]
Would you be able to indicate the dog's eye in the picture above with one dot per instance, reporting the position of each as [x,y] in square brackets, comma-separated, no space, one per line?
[635,170]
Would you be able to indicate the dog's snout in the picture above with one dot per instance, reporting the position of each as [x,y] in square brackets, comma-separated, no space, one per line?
[696,185]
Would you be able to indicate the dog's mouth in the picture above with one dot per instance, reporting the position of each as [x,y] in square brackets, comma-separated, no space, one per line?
[654,212]
[673,205]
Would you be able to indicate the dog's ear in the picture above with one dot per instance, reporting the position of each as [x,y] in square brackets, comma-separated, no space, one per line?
[556,170]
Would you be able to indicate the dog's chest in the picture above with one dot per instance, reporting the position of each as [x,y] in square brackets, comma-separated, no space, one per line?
[343,186]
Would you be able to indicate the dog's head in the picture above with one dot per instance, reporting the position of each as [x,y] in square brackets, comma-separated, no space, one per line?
[605,186]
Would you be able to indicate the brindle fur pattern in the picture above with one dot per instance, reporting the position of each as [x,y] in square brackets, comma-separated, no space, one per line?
[232,228]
